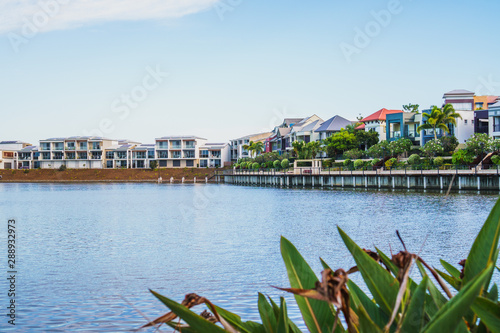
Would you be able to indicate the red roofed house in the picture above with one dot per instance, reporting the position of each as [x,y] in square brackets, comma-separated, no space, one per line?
[376,122]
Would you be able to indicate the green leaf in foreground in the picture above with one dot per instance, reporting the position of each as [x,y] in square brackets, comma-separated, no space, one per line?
[381,284]
[195,321]
[489,312]
[318,315]
[450,315]
[485,247]
[414,318]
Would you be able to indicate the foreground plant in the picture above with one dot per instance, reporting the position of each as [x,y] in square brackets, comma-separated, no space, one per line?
[398,303]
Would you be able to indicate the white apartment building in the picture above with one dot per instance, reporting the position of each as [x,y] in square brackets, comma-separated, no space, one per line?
[77,152]
[237,150]
[215,155]
[9,154]
[178,151]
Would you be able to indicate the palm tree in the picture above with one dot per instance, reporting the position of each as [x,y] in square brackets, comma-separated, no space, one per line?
[254,147]
[249,147]
[258,147]
[450,115]
[298,148]
[314,147]
[439,119]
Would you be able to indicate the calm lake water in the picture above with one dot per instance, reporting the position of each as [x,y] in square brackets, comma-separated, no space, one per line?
[87,253]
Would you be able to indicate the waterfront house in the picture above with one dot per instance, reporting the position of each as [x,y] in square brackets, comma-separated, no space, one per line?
[9,154]
[178,151]
[237,150]
[463,103]
[377,122]
[76,152]
[28,157]
[481,114]
[332,126]
[403,125]
[279,140]
[142,155]
[494,120]
[215,155]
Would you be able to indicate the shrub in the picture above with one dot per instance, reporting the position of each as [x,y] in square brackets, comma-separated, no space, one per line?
[347,163]
[400,146]
[62,168]
[353,154]
[423,305]
[277,164]
[153,165]
[236,166]
[495,159]
[327,164]
[285,164]
[479,144]
[358,164]
[414,159]
[390,162]
[375,161]
[438,161]
[256,166]
[462,156]
[263,165]
[28,170]
[449,143]
[432,148]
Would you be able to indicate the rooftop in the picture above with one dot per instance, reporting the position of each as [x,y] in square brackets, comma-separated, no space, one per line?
[335,123]
[380,115]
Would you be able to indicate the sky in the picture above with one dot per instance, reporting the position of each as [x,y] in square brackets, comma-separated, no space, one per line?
[138,70]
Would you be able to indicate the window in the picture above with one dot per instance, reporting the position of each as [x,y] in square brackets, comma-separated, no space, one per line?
[163,163]
[109,164]
[96,145]
[189,163]
[109,155]
[204,153]
[462,106]
[177,164]
[203,163]
[465,121]
[151,153]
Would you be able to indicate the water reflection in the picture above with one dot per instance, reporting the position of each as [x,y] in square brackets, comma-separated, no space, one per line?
[88,251]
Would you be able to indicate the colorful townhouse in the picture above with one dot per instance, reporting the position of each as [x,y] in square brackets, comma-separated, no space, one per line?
[305,130]
[494,120]
[377,122]
[279,139]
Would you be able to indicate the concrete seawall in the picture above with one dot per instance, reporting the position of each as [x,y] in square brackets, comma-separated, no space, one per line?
[478,182]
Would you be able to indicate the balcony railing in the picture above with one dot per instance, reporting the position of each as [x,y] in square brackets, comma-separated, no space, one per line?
[58,148]
[189,146]
[96,157]
[496,128]
[70,148]
[396,134]
[175,147]
[44,147]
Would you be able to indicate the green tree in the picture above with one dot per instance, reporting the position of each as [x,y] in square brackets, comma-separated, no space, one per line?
[400,146]
[153,165]
[439,119]
[340,142]
[411,108]
[254,147]
[449,143]
[432,148]
[379,150]
[478,144]
[313,148]
[299,147]
[366,138]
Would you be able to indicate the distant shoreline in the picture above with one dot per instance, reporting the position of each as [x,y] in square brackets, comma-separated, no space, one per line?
[106,175]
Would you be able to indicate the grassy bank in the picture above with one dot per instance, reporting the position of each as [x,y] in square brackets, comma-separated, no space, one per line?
[104,175]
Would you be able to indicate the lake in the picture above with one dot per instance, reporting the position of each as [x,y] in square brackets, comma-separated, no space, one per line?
[87,253]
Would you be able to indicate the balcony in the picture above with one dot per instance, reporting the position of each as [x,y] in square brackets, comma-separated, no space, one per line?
[82,148]
[395,134]
[96,148]
[44,147]
[58,148]
[70,148]
[175,146]
[162,155]
[176,155]
[96,157]
[70,157]
[189,145]
[496,128]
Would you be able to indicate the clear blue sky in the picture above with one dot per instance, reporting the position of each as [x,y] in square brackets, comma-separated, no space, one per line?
[235,67]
